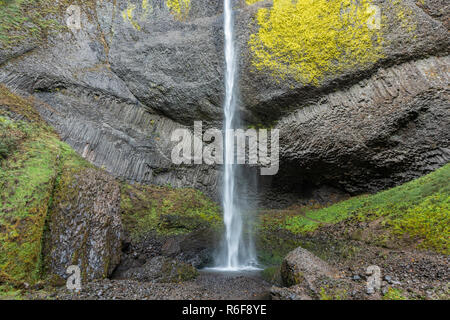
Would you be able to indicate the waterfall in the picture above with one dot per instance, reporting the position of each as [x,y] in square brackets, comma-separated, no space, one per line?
[236,254]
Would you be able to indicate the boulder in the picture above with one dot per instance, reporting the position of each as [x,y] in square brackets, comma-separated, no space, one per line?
[85,227]
[301,267]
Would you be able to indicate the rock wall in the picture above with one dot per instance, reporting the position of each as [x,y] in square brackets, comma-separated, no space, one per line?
[380,132]
[85,227]
[137,70]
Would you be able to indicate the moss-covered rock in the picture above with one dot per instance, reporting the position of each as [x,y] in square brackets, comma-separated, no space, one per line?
[27,179]
[182,224]
[85,227]
[167,211]
[411,214]
[174,271]
[309,39]
[27,23]
[46,187]
[58,210]
[302,267]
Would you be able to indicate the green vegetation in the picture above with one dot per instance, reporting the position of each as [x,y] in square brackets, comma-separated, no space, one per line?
[418,209]
[31,163]
[8,292]
[250,2]
[173,271]
[394,294]
[128,15]
[331,293]
[36,166]
[27,19]
[30,167]
[27,179]
[272,275]
[11,133]
[166,210]
[27,173]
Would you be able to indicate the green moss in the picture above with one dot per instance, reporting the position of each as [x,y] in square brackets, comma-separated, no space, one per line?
[27,179]
[272,275]
[11,133]
[331,293]
[28,176]
[428,221]
[418,209]
[167,211]
[250,2]
[12,103]
[128,15]
[273,240]
[8,292]
[22,20]
[173,271]
[394,294]
[272,246]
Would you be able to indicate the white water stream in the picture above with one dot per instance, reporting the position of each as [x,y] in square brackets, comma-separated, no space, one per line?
[236,255]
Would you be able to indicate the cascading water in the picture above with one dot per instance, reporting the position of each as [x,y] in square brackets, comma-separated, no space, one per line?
[236,254]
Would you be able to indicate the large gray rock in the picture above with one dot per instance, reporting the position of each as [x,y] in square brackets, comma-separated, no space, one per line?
[306,276]
[301,267]
[85,227]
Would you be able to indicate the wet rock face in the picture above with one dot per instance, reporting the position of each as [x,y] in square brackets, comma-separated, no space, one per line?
[85,227]
[381,132]
[117,89]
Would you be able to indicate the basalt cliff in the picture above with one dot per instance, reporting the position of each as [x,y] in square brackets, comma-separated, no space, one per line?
[359,91]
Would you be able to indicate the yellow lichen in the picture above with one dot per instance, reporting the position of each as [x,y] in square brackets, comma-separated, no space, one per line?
[134,17]
[309,39]
[179,8]
[250,2]
[146,7]
[404,15]
[127,15]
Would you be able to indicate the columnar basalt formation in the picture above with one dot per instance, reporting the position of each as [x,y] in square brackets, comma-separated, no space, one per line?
[136,70]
